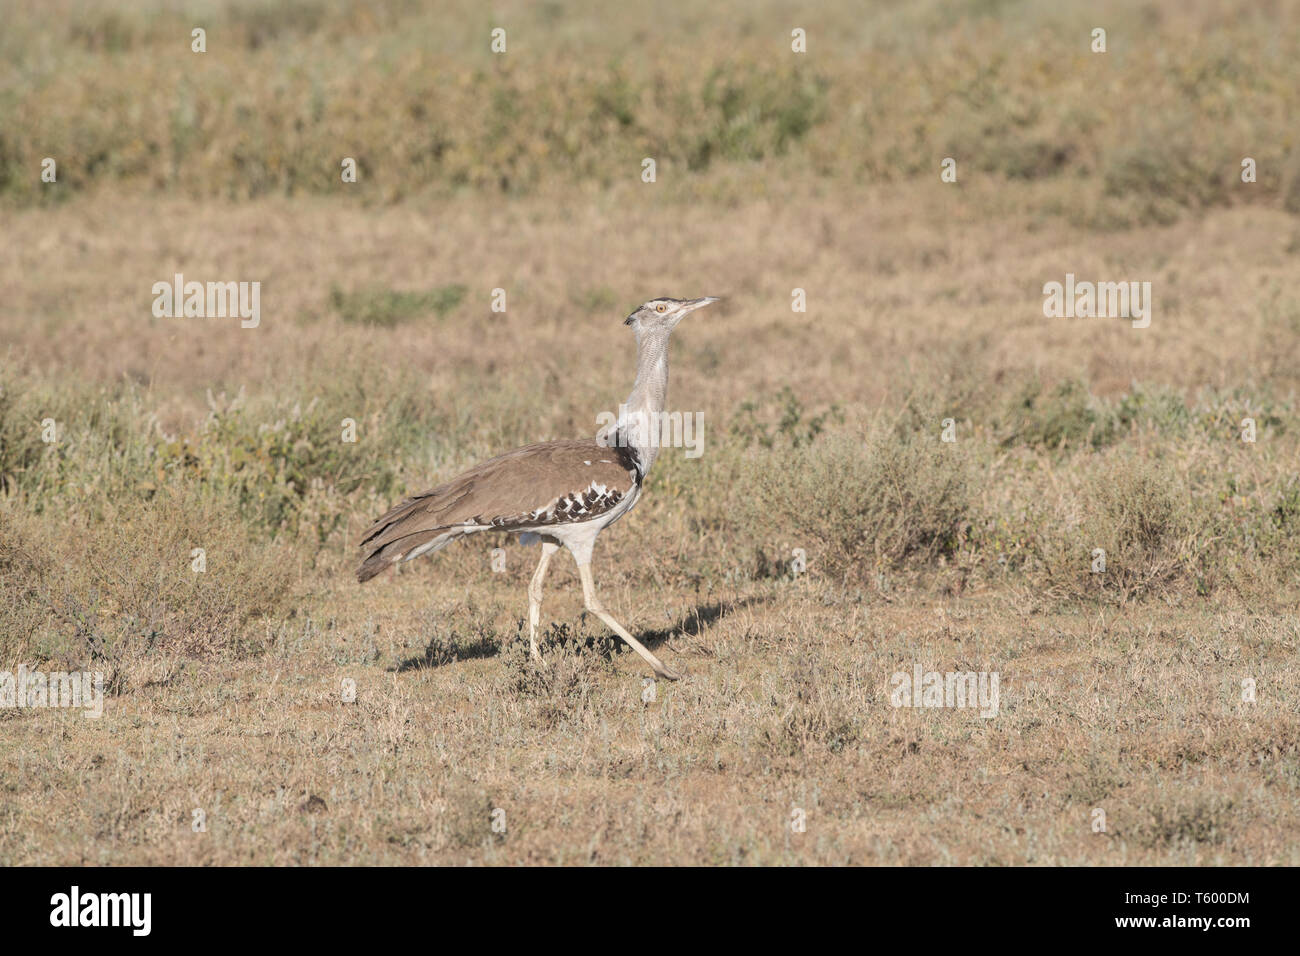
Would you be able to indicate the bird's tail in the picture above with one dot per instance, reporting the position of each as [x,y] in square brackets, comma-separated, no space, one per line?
[397,535]
[407,547]
[418,525]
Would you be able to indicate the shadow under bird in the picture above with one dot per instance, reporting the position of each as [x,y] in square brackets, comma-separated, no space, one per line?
[557,492]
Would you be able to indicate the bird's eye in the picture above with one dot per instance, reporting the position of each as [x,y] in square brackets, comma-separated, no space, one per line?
[661,307]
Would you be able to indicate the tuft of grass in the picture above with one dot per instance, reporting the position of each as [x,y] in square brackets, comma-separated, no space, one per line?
[386,308]
[1067,414]
[863,502]
[560,687]
[751,112]
[1132,532]
[1200,819]
[465,821]
[818,718]
[782,420]
[131,584]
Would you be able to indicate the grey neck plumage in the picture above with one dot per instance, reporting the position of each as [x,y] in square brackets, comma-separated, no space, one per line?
[638,422]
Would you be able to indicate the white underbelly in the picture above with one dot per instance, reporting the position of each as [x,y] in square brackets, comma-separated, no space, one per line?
[579,536]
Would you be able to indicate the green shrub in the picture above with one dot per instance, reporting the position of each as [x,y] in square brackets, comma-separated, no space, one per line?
[1065,415]
[862,503]
[782,420]
[386,308]
[109,590]
[1140,513]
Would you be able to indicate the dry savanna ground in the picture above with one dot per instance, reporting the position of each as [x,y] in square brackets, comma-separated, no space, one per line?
[1148,713]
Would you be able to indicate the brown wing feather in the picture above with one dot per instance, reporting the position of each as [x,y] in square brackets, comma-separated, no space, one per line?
[546,483]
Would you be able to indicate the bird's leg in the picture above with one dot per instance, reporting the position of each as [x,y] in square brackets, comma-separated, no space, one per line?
[595,607]
[535,597]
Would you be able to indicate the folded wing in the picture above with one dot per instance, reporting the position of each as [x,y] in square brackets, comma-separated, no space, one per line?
[544,484]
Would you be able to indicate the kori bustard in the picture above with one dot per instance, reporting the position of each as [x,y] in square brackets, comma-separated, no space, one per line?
[557,492]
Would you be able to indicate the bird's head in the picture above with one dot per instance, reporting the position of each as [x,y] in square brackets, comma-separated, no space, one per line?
[664,313]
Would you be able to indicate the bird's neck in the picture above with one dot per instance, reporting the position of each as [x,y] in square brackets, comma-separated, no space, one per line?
[639,417]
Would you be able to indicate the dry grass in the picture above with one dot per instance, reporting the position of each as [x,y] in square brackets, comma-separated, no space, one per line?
[1120,691]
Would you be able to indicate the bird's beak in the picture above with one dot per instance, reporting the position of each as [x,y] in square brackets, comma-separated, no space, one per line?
[692,304]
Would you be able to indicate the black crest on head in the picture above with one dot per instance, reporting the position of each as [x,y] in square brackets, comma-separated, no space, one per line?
[658,298]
